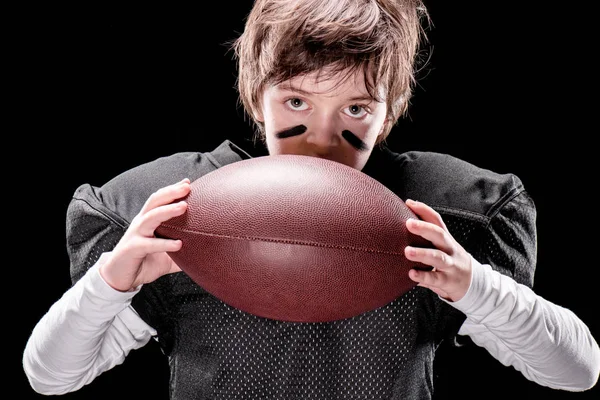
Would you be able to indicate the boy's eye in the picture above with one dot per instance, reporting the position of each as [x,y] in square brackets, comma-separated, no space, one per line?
[355,111]
[297,104]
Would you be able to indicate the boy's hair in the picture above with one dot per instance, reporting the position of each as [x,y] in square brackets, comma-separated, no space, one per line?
[287,38]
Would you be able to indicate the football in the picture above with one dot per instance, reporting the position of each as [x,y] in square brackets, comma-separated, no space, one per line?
[295,238]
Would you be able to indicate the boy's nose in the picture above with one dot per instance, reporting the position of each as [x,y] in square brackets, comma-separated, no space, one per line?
[323,133]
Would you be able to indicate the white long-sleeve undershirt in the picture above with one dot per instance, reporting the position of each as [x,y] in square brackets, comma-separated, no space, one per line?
[93,327]
[547,343]
[89,330]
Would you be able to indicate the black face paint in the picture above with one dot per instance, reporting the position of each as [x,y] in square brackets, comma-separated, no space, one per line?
[355,141]
[286,133]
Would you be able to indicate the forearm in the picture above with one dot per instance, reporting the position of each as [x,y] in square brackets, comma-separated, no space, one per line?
[86,332]
[547,343]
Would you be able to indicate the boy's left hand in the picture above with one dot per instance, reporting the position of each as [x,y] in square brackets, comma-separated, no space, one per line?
[451,274]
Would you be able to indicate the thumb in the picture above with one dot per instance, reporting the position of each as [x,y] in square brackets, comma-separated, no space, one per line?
[173,268]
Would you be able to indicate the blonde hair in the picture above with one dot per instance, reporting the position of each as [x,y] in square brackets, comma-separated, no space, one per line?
[283,39]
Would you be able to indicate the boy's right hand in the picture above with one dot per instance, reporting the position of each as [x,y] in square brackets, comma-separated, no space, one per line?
[140,257]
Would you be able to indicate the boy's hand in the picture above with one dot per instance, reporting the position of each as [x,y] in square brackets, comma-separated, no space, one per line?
[451,274]
[140,257]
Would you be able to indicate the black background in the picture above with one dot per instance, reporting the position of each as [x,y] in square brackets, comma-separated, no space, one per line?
[100,89]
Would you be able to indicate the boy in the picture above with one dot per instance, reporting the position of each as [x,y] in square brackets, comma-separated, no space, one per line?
[325,79]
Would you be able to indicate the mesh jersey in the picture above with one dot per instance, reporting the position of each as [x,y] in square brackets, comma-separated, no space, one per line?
[218,352]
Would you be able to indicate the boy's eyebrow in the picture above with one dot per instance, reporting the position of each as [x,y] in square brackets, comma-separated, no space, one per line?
[289,87]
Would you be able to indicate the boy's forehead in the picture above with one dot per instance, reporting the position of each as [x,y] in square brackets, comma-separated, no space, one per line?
[328,84]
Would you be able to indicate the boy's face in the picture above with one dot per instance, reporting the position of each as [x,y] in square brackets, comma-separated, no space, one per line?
[322,118]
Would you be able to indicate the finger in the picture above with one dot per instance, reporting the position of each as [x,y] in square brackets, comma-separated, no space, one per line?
[428,279]
[166,195]
[432,257]
[146,246]
[156,216]
[426,213]
[435,234]
[415,276]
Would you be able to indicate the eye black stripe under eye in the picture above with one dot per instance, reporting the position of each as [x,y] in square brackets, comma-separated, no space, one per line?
[286,133]
[354,141]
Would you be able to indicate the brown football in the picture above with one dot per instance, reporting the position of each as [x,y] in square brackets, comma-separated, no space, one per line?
[295,238]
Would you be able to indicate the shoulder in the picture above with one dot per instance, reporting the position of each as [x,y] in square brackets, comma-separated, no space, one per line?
[489,213]
[445,181]
[97,217]
[125,194]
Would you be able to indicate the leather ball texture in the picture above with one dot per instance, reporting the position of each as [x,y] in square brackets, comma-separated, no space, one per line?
[295,238]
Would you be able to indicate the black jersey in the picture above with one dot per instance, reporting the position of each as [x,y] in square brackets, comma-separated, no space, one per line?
[218,352]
